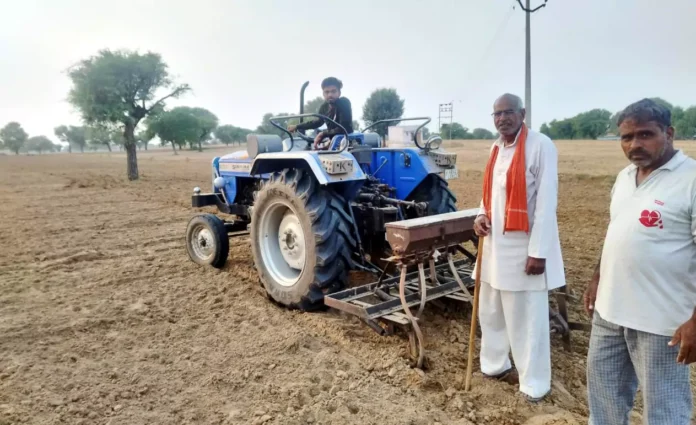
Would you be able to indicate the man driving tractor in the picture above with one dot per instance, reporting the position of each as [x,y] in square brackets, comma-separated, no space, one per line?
[335,107]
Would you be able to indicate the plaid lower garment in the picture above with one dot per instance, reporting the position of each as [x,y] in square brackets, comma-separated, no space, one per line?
[618,360]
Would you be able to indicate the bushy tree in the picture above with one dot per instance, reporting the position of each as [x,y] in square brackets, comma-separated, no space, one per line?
[482,134]
[382,104]
[685,123]
[177,127]
[229,134]
[98,136]
[13,137]
[592,124]
[207,122]
[143,137]
[455,132]
[267,128]
[39,144]
[120,88]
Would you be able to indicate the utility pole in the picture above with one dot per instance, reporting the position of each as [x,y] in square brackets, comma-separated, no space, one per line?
[445,112]
[528,62]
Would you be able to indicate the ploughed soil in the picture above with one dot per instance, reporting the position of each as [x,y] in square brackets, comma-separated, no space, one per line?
[105,320]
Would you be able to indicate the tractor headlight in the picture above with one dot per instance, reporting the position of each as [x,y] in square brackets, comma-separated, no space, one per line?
[219,182]
[434,142]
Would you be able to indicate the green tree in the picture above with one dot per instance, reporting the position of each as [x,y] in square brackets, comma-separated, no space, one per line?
[98,136]
[685,126]
[77,136]
[561,130]
[39,144]
[116,138]
[267,128]
[225,134]
[119,87]
[592,124]
[61,132]
[312,107]
[177,127]
[207,122]
[455,132]
[143,137]
[13,137]
[356,126]
[229,134]
[544,129]
[482,134]
[382,104]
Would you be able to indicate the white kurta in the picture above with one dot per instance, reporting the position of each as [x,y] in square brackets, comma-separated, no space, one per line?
[505,255]
[513,306]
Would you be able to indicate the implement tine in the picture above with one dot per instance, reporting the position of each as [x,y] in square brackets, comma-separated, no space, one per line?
[421,282]
[455,273]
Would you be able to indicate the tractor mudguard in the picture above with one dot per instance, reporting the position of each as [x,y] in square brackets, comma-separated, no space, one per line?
[405,168]
[340,170]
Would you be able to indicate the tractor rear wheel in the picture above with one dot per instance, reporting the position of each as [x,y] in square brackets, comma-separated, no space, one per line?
[440,200]
[301,239]
[435,191]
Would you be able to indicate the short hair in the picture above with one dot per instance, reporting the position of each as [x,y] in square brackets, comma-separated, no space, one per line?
[516,100]
[646,110]
[331,81]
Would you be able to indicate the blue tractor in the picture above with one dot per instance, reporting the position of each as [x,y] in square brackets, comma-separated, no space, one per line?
[314,215]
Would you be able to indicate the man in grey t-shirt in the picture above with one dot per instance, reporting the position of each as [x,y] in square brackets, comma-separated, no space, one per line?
[643,293]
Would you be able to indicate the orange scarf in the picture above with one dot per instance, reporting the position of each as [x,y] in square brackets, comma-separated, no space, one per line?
[516,197]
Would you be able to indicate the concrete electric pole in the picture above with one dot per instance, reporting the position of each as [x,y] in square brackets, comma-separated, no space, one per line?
[528,62]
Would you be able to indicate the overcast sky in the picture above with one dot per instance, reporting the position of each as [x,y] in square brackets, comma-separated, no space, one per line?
[247,57]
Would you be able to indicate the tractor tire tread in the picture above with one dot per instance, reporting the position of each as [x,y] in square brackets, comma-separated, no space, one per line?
[331,226]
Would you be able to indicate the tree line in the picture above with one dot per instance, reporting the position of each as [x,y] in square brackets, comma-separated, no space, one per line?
[121,96]
[456,131]
[14,138]
[599,122]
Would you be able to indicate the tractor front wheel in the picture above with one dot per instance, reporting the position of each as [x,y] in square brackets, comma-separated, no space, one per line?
[207,242]
[301,240]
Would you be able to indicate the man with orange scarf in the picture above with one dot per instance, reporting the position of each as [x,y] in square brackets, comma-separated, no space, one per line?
[521,252]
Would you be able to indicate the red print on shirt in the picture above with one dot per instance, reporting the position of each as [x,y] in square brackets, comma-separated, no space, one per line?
[651,218]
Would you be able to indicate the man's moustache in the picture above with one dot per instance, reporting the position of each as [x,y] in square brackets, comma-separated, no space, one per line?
[639,153]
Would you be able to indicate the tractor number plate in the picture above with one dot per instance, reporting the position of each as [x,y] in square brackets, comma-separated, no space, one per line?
[443,159]
[451,173]
[336,164]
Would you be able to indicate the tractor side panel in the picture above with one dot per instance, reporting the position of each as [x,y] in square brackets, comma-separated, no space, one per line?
[403,169]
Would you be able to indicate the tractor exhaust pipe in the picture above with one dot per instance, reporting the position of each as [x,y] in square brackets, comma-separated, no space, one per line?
[302,90]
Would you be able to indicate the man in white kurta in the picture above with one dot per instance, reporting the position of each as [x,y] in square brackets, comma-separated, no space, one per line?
[518,267]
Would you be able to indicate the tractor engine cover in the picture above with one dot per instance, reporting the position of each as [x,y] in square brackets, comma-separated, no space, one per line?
[263,143]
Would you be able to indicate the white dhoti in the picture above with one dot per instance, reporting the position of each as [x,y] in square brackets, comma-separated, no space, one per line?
[516,321]
[514,309]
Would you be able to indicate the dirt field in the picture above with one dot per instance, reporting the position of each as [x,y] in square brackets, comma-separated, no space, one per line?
[105,320]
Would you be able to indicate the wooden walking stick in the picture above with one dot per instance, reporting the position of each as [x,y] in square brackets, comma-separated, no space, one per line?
[474,315]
